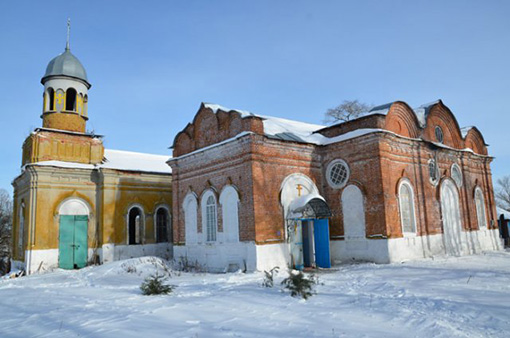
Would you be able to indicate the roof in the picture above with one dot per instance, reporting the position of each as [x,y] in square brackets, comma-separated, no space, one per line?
[66,64]
[278,128]
[120,160]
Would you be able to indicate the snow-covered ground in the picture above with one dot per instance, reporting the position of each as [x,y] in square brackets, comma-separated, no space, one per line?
[451,297]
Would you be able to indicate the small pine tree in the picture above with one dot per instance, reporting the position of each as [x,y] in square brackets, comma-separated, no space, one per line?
[268,281]
[299,285]
[154,285]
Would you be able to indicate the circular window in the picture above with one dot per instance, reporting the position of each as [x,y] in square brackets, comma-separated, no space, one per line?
[456,175]
[439,134]
[433,172]
[337,173]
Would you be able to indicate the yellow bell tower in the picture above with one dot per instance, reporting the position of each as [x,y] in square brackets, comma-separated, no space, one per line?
[65,92]
[63,134]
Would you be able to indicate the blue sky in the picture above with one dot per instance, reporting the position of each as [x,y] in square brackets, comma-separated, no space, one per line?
[151,63]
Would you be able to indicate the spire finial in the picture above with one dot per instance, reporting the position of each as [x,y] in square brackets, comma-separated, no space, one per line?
[68,32]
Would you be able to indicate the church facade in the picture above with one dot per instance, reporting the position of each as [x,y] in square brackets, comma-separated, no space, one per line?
[77,203]
[254,192]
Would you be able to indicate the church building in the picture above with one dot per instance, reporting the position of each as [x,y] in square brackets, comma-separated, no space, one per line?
[251,192]
[77,203]
[254,192]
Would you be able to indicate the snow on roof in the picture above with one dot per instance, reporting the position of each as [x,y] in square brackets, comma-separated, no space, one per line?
[131,161]
[279,128]
[423,111]
[215,107]
[381,109]
[465,130]
[120,160]
[289,130]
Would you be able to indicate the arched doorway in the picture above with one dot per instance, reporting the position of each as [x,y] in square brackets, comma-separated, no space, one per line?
[307,225]
[452,224]
[73,229]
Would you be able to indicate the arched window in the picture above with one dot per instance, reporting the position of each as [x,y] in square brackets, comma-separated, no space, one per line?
[135,225]
[190,218]
[50,99]
[162,222]
[229,200]
[71,99]
[406,202]
[480,208]
[209,216]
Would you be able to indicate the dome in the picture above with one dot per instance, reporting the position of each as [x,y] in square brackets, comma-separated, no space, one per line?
[66,64]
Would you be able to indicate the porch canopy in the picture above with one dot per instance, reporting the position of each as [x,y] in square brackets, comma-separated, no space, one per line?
[309,206]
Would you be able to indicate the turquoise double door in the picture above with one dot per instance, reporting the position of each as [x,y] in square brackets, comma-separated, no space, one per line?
[73,241]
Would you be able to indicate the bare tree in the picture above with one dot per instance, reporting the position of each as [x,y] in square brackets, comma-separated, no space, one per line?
[346,111]
[5,229]
[503,192]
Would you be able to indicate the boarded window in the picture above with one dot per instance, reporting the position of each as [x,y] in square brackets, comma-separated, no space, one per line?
[480,209]
[229,200]
[406,201]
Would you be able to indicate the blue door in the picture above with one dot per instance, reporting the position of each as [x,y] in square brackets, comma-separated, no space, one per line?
[321,237]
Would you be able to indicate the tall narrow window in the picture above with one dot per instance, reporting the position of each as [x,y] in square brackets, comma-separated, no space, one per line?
[480,208]
[406,201]
[51,99]
[162,225]
[135,226]
[211,219]
[71,99]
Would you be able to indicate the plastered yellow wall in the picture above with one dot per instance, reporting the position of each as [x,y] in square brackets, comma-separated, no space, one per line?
[109,194]
[61,146]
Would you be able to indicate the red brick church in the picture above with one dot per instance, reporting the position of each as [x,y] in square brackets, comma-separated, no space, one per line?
[254,192]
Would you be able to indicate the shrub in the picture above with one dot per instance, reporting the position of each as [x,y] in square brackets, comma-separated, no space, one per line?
[268,281]
[186,265]
[300,285]
[154,285]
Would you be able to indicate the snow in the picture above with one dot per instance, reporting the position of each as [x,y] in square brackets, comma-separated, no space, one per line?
[215,107]
[465,130]
[423,111]
[120,160]
[453,297]
[131,161]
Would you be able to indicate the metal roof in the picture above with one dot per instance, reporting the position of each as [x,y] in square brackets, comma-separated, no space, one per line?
[66,64]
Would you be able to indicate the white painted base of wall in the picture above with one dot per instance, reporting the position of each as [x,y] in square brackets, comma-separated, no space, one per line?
[220,257]
[163,250]
[45,260]
[271,255]
[410,248]
[223,257]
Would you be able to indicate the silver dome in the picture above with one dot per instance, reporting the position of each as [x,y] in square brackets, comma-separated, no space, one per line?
[66,64]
